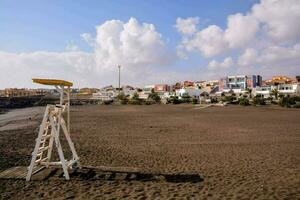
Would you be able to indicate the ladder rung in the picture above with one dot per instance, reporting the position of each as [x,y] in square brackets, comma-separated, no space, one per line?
[39,154]
[45,138]
[41,149]
[41,160]
[72,162]
[46,135]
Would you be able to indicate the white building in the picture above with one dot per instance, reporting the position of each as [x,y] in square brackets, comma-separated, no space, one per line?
[146,91]
[104,95]
[192,92]
[128,90]
[289,89]
[264,91]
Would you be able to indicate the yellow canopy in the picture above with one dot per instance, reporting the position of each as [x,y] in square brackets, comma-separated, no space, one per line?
[52,82]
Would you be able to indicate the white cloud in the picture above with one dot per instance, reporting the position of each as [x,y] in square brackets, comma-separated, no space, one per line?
[280,18]
[240,30]
[17,70]
[88,38]
[209,41]
[249,57]
[71,46]
[187,26]
[213,40]
[215,65]
[273,55]
[139,48]
[270,21]
[130,44]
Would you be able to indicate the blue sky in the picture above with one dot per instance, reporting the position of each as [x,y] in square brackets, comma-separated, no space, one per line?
[27,26]
[229,36]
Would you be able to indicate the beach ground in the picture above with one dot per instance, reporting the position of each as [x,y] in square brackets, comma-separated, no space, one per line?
[240,152]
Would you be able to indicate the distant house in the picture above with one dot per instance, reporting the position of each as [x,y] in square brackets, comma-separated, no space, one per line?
[263,91]
[161,89]
[128,90]
[176,86]
[146,91]
[88,91]
[289,89]
[193,92]
[22,92]
[188,84]
[104,95]
[2,93]
[198,84]
[239,83]
[278,80]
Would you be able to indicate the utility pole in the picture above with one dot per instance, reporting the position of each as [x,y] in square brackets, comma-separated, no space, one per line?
[119,78]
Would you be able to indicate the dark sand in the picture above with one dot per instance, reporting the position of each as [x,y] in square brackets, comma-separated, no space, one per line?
[240,152]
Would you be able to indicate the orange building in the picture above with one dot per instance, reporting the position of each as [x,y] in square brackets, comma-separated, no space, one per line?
[187,84]
[277,80]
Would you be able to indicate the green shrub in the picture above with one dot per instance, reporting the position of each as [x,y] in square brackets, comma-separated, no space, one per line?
[297,105]
[154,96]
[258,100]
[149,101]
[289,101]
[122,98]
[185,98]
[174,100]
[228,99]
[244,101]
[107,102]
[135,100]
[214,100]
[195,101]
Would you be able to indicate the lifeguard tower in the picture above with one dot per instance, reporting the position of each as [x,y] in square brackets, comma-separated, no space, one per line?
[49,132]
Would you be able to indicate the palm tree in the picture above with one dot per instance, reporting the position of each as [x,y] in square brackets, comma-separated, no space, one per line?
[275,93]
[249,91]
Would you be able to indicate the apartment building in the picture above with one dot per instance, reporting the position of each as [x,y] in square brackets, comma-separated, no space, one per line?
[239,83]
[161,88]
[289,89]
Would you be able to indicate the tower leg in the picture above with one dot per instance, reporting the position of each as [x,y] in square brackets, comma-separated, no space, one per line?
[37,144]
[71,144]
[59,149]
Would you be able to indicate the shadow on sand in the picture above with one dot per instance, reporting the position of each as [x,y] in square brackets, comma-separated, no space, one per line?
[110,175]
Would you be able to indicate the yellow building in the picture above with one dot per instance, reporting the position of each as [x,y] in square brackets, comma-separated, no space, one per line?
[276,80]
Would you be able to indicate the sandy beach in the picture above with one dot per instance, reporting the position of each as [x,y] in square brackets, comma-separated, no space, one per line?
[239,152]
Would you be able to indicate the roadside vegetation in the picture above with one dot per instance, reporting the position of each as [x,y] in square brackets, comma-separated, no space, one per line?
[246,99]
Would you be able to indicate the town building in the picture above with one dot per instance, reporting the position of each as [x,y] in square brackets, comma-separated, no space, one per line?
[289,89]
[176,86]
[239,83]
[146,91]
[2,93]
[198,84]
[161,89]
[264,91]
[88,91]
[188,84]
[22,92]
[128,90]
[277,80]
[192,92]
[104,95]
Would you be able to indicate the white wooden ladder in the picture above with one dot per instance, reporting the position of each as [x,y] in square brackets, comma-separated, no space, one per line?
[49,132]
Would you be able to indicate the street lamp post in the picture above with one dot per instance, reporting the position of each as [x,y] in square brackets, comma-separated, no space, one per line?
[119,78]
